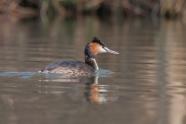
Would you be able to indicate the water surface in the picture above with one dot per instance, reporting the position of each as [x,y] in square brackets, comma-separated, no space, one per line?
[147,86]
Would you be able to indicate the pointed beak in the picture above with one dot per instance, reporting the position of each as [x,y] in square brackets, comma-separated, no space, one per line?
[110,51]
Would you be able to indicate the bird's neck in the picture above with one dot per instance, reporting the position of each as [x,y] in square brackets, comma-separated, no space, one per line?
[91,62]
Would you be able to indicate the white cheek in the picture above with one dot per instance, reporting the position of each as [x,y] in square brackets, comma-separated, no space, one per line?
[101,50]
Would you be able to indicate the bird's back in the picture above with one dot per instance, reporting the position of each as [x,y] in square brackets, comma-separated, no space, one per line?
[69,68]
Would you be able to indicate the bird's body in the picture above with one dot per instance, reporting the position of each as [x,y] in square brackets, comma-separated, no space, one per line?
[70,68]
[78,68]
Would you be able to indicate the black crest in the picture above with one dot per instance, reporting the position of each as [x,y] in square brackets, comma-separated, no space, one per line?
[96,40]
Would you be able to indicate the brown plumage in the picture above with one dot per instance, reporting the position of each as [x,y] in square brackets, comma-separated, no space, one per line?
[78,68]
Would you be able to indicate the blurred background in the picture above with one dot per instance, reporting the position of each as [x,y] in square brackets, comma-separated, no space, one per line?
[147,84]
[101,8]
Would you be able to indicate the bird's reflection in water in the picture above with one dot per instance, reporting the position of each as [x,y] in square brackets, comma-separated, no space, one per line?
[98,93]
[93,91]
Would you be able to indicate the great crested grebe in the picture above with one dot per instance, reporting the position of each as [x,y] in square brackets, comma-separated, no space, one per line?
[78,68]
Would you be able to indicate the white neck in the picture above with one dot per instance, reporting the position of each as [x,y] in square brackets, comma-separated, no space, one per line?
[95,64]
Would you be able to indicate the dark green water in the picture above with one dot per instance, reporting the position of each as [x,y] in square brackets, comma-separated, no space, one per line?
[148,84]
